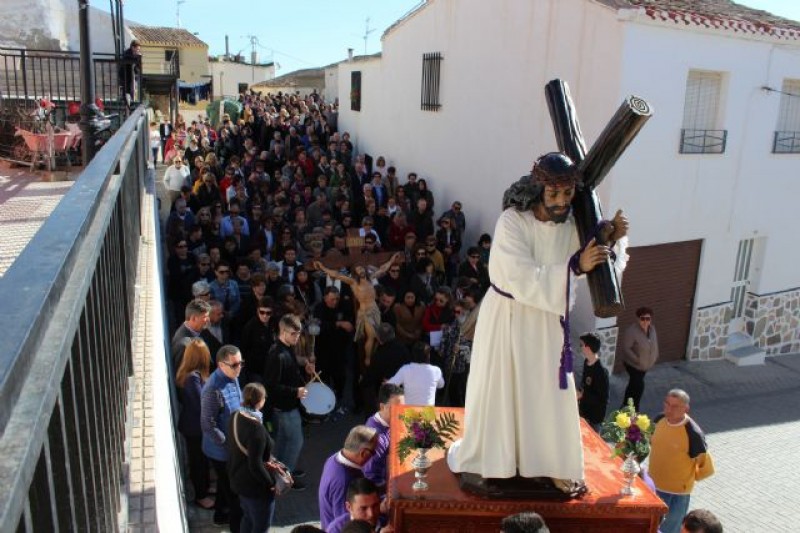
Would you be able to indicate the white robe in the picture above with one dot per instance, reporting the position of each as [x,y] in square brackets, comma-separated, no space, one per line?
[516,416]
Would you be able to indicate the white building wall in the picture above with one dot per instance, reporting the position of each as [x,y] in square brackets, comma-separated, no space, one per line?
[331,92]
[229,75]
[494,121]
[721,198]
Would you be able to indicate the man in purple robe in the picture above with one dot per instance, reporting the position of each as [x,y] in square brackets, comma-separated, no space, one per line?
[375,469]
[340,469]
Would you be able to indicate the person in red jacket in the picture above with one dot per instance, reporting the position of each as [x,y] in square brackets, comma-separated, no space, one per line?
[437,314]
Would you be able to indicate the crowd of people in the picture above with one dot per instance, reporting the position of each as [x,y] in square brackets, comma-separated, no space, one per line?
[291,257]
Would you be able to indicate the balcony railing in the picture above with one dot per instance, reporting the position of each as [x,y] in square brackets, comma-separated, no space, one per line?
[28,75]
[703,141]
[786,142]
[66,309]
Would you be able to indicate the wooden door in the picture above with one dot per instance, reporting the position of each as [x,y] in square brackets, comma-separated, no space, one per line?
[662,277]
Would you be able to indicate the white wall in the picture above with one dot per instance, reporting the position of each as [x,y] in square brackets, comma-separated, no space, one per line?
[235,73]
[494,121]
[53,25]
[331,92]
[745,192]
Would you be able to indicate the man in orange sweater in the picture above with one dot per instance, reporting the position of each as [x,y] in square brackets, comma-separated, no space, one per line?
[678,457]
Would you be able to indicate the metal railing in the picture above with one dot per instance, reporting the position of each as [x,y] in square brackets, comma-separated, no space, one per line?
[786,142]
[66,308]
[703,141]
[28,75]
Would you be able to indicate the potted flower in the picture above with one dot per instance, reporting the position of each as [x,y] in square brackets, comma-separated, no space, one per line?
[630,433]
[424,430]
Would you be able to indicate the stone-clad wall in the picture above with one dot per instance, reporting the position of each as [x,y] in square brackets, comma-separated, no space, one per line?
[710,332]
[773,320]
[608,337]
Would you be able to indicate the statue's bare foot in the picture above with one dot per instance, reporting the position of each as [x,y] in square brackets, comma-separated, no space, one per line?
[574,488]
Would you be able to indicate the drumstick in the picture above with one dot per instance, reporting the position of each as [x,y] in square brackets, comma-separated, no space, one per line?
[316,377]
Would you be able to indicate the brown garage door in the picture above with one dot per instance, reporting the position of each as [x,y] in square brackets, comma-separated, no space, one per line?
[662,277]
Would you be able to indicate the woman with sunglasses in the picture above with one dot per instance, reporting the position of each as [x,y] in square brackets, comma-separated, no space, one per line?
[640,349]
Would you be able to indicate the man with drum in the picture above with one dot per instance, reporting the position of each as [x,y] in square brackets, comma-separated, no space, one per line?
[283,373]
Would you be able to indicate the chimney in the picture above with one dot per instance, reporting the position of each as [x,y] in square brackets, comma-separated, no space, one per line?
[227,50]
[349,54]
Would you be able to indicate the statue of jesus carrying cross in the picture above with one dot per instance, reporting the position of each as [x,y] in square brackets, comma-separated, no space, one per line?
[521,419]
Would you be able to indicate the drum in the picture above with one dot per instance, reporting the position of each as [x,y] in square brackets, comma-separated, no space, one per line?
[320,399]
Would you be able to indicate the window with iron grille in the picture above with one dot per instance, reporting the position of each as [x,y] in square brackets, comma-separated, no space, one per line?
[701,114]
[355,90]
[787,130]
[431,81]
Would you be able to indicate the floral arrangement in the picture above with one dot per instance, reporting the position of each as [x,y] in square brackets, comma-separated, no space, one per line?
[629,431]
[425,430]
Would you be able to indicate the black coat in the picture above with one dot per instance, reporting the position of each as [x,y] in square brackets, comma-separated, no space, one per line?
[594,385]
[246,472]
[257,338]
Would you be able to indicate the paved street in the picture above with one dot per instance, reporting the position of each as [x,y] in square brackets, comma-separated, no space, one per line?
[25,203]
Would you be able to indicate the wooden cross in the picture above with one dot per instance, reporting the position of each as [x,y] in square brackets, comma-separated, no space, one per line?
[593,167]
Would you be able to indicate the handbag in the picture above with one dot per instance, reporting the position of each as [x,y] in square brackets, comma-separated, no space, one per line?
[280,474]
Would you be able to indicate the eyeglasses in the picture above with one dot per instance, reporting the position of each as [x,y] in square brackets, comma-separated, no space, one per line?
[645,318]
[234,366]
[264,312]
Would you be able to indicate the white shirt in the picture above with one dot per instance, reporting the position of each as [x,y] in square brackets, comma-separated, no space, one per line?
[420,381]
[175,178]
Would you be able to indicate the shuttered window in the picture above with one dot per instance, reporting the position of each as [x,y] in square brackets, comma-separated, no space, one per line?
[787,130]
[701,114]
[431,81]
[355,90]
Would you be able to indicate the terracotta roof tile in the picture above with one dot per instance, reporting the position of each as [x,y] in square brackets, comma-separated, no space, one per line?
[720,14]
[164,35]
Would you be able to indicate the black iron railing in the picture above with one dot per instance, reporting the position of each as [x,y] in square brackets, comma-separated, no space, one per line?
[786,142]
[66,308]
[27,75]
[703,141]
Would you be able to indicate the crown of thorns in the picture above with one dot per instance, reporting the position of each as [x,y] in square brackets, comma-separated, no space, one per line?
[555,169]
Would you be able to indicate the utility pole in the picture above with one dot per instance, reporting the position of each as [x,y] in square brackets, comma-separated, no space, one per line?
[367,31]
[178,12]
[253,43]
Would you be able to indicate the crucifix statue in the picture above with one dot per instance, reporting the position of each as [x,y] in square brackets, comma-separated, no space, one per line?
[522,432]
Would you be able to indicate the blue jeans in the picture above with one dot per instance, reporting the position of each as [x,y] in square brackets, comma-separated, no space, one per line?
[288,428]
[256,513]
[678,507]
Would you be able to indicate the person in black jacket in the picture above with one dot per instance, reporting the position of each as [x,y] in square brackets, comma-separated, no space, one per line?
[257,338]
[283,373]
[249,448]
[335,336]
[593,392]
[389,357]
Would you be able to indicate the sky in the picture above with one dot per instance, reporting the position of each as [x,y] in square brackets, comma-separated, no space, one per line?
[298,34]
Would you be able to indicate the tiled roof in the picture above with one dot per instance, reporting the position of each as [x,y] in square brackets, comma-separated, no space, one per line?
[164,35]
[714,14]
